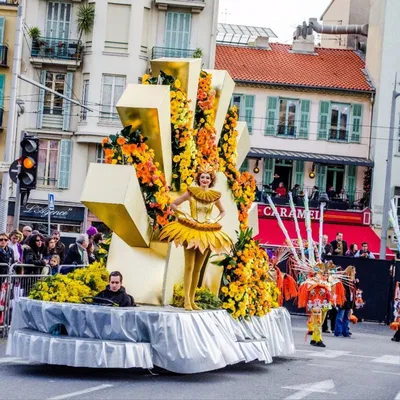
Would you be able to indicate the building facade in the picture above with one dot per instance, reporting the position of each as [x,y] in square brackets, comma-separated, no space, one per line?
[308,115]
[8,14]
[95,69]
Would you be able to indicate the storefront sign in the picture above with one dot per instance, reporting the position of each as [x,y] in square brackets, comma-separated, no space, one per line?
[334,216]
[34,211]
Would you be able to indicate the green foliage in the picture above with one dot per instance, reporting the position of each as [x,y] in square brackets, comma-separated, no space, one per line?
[198,53]
[204,298]
[34,33]
[85,19]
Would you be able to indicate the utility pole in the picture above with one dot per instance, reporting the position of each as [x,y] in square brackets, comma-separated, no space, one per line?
[388,180]
[12,119]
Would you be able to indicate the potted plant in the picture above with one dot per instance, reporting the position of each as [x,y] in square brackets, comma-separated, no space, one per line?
[85,22]
[35,34]
[198,53]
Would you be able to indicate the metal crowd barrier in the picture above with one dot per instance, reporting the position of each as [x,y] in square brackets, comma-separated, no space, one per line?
[17,283]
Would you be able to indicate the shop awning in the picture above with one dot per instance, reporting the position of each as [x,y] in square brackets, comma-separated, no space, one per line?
[271,234]
[313,157]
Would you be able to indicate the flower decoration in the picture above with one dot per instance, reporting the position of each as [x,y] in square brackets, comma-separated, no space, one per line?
[183,144]
[242,184]
[129,147]
[247,288]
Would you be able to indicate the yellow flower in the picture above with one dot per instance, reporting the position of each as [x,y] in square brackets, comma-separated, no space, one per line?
[176,159]
[177,84]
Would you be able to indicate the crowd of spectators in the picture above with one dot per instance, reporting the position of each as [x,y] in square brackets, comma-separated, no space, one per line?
[47,253]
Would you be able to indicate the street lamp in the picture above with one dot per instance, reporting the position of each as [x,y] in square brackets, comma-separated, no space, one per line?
[388,180]
[323,201]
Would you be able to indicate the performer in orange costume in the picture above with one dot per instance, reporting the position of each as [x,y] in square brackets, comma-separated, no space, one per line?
[197,233]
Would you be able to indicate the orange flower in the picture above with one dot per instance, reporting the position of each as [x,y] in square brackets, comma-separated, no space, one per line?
[121,140]
[104,141]
[108,152]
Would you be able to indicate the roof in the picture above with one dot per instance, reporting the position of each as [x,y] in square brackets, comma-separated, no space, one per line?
[241,34]
[314,157]
[327,68]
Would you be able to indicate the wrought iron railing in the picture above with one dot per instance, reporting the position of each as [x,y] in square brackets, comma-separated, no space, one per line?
[58,49]
[159,52]
[3,55]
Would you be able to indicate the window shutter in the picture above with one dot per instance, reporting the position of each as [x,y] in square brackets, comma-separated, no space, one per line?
[186,19]
[39,120]
[248,111]
[2,26]
[69,79]
[269,167]
[299,173]
[177,32]
[351,179]
[324,119]
[356,122]
[321,177]
[305,107]
[271,122]
[245,166]
[64,164]
[2,84]
[168,29]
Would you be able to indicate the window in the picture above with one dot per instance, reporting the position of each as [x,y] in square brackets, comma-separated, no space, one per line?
[118,23]
[177,33]
[48,162]
[85,96]
[245,108]
[53,104]
[58,20]
[113,87]
[287,117]
[340,115]
[99,154]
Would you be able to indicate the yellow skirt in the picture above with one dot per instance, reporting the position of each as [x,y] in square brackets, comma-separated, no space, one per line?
[193,235]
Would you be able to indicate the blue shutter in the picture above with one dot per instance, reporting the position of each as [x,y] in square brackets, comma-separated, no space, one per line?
[305,107]
[69,79]
[2,27]
[356,122]
[351,179]
[39,121]
[64,164]
[269,167]
[2,85]
[299,173]
[272,119]
[321,177]
[324,119]
[245,166]
[248,111]
[177,33]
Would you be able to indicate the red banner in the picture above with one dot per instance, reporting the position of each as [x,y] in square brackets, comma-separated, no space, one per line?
[330,216]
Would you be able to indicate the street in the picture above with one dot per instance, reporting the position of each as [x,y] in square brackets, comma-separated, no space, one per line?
[366,366]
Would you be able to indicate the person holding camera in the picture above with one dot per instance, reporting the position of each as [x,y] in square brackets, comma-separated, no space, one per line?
[364,252]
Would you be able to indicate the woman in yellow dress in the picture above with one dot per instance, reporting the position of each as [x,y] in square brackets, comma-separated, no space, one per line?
[197,233]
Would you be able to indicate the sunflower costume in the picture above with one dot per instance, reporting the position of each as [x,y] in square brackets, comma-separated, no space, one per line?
[197,230]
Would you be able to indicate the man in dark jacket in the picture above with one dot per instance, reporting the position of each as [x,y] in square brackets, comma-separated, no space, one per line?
[116,292]
[60,247]
[339,245]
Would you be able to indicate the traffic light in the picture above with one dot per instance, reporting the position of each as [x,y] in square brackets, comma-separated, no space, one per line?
[28,160]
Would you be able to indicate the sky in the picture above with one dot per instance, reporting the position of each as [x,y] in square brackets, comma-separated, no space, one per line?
[282,16]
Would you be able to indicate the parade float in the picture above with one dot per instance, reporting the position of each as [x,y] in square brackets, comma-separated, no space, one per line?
[177,123]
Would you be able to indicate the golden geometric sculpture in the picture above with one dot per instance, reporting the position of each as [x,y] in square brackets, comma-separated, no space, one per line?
[243,143]
[253,219]
[223,85]
[187,70]
[147,107]
[151,268]
[112,193]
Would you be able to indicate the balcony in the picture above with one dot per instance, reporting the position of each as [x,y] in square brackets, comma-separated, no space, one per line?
[159,52]
[56,51]
[195,6]
[3,55]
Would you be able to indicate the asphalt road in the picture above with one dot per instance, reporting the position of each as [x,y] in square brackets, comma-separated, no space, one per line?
[365,366]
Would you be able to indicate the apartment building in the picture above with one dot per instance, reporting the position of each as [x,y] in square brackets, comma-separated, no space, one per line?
[94,68]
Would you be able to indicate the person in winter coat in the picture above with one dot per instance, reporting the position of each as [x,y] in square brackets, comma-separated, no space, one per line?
[60,247]
[33,254]
[116,292]
[14,244]
[6,254]
[77,253]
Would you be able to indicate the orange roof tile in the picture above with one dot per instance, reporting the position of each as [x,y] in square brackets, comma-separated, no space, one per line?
[329,68]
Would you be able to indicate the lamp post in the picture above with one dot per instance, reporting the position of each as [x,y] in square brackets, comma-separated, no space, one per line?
[388,175]
[323,202]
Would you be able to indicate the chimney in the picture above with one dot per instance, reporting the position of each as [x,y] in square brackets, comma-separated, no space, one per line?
[261,42]
[303,40]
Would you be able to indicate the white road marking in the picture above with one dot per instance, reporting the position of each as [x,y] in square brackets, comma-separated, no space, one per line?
[74,394]
[308,388]
[323,366]
[390,373]
[397,396]
[328,353]
[386,359]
